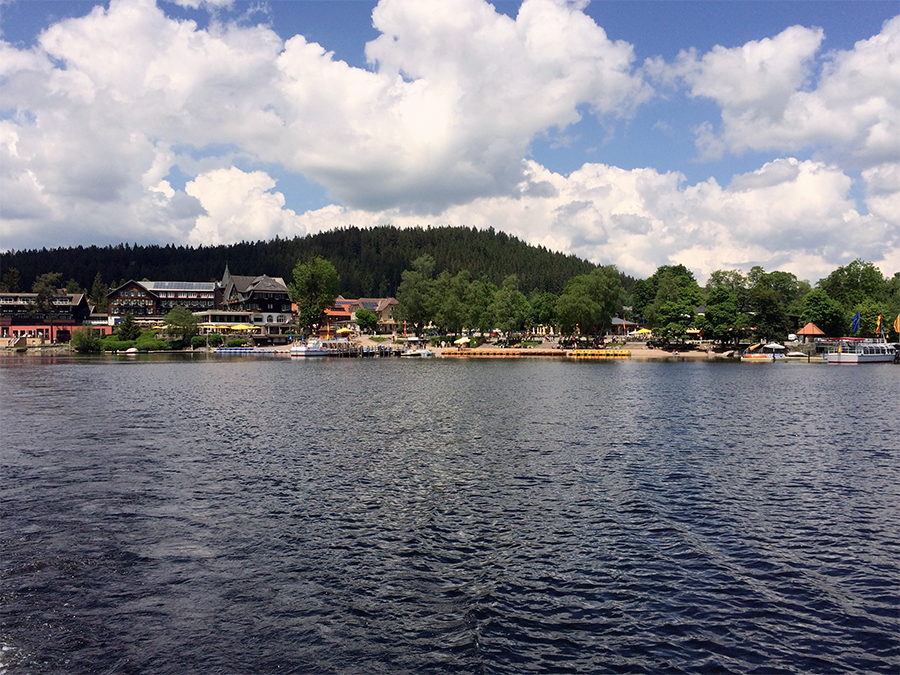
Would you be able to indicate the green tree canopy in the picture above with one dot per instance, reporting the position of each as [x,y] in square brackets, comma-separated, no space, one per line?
[543,309]
[181,322]
[416,300]
[128,329]
[366,320]
[47,289]
[452,301]
[481,309]
[673,310]
[98,294]
[722,321]
[590,301]
[823,311]
[510,306]
[12,281]
[853,283]
[86,340]
[316,285]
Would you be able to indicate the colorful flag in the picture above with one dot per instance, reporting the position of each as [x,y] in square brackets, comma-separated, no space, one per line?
[878,325]
[856,323]
[897,324]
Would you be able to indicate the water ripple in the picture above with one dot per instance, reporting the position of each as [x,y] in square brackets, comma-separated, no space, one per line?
[447,517]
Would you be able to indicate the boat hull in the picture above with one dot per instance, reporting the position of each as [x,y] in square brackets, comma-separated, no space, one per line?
[856,351]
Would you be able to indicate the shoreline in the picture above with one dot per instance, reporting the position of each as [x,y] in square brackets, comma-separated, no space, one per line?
[637,352]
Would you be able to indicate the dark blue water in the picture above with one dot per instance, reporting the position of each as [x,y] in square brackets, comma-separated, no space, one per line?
[233,515]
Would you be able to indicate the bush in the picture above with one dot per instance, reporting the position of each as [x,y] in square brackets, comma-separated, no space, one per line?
[215,340]
[113,344]
[198,341]
[236,342]
[151,344]
[85,340]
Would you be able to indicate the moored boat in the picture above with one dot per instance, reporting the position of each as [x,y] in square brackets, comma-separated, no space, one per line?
[322,347]
[854,351]
[418,353]
[762,353]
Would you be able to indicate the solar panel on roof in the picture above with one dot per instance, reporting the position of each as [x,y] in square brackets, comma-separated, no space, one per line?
[179,286]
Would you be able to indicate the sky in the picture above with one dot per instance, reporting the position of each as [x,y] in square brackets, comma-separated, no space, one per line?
[714,134]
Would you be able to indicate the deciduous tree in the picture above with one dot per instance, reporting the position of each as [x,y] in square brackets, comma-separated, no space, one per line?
[366,320]
[182,323]
[590,301]
[415,297]
[316,285]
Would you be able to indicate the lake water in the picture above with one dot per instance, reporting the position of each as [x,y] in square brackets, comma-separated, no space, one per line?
[266,515]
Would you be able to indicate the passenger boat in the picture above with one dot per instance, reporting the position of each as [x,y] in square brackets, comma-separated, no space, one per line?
[419,353]
[762,353]
[322,347]
[854,351]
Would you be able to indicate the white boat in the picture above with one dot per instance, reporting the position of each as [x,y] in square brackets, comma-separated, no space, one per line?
[419,353]
[854,351]
[321,347]
[762,353]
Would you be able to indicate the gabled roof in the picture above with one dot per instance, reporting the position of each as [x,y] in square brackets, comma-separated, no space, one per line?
[810,329]
[262,283]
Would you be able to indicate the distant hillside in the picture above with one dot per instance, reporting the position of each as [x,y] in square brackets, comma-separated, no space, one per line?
[370,261]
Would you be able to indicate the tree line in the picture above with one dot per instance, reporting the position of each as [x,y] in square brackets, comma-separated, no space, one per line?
[731,307]
[370,261]
[458,279]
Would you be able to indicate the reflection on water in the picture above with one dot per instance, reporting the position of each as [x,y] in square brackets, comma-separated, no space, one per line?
[266,515]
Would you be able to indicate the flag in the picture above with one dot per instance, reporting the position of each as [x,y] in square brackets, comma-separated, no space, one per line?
[878,325]
[897,324]
[855,323]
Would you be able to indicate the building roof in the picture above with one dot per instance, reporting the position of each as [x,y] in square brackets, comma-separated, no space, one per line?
[262,283]
[25,298]
[810,329]
[154,286]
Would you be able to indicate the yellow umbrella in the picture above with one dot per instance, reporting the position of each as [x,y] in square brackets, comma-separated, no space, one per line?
[241,326]
[643,331]
[343,330]
[461,341]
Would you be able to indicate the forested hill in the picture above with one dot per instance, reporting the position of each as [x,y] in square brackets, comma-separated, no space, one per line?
[370,261]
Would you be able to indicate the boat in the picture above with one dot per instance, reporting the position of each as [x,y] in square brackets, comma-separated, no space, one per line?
[760,353]
[418,353]
[322,347]
[854,351]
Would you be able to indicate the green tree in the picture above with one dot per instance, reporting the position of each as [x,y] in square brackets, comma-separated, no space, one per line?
[47,289]
[510,306]
[86,340]
[98,295]
[722,321]
[42,306]
[128,330]
[590,301]
[769,316]
[452,296]
[366,320]
[543,309]
[315,288]
[182,323]
[673,310]
[790,289]
[12,281]
[73,286]
[853,283]
[481,298]
[869,309]
[415,298]
[825,312]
